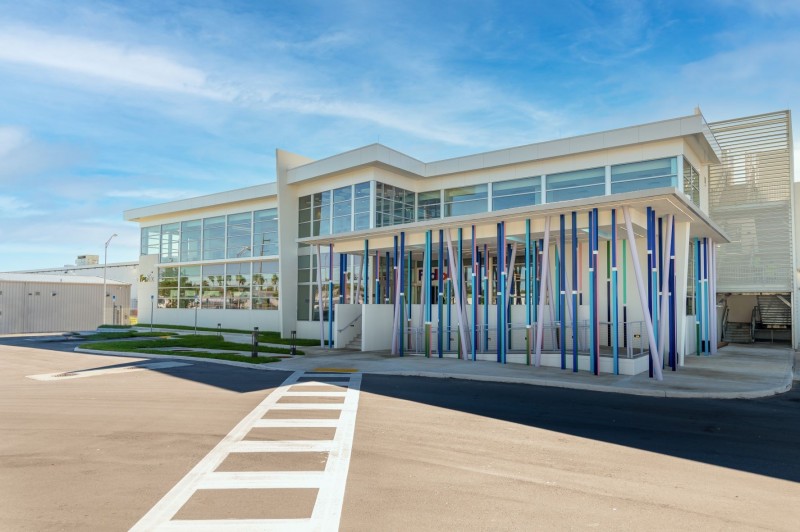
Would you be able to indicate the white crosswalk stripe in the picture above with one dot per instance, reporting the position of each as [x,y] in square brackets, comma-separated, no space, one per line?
[330,483]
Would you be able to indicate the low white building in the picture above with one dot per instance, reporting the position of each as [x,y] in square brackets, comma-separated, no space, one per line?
[32,303]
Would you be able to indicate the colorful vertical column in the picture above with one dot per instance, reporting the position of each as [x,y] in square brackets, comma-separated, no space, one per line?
[673,358]
[575,332]
[330,296]
[501,295]
[401,285]
[614,294]
[474,298]
[562,283]
[706,301]
[426,287]
[625,294]
[487,297]
[654,273]
[528,286]
[592,309]
[440,296]
[649,279]
[365,281]
[409,291]
[595,298]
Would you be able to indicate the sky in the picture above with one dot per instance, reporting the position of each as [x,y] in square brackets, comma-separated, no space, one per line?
[108,106]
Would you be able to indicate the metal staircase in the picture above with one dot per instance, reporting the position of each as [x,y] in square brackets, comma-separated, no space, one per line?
[775,311]
[738,332]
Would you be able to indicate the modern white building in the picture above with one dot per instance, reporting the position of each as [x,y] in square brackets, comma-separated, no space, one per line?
[595,252]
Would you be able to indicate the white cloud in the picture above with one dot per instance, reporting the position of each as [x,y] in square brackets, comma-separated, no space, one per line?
[11,139]
[13,207]
[145,68]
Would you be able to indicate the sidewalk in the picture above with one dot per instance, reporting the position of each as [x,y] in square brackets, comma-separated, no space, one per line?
[736,371]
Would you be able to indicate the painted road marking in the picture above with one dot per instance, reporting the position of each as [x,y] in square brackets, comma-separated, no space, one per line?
[286,423]
[330,483]
[106,371]
[336,370]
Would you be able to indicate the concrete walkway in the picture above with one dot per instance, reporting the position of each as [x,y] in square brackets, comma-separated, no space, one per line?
[736,371]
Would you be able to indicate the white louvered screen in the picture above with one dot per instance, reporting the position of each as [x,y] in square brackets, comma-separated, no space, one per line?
[750,198]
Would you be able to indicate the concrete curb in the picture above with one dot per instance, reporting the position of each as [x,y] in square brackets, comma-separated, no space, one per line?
[672,394]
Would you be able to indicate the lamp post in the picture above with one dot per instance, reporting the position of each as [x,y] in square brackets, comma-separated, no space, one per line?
[105,262]
[152,308]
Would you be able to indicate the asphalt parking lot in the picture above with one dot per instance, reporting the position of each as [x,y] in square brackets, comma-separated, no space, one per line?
[100,450]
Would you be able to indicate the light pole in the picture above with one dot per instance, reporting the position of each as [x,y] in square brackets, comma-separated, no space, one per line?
[105,262]
[152,305]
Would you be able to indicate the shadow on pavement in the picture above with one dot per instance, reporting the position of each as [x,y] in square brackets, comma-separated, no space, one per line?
[757,436]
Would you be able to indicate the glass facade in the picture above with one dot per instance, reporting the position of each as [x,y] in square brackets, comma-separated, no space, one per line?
[691,182]
[214,238]
[516,193]
[170,242]
[393,205]
[234,236]
[470,199]
[643,175]
[576,185]
[265,233]
[239,285]
[361,208]
[429,205]
[191,240]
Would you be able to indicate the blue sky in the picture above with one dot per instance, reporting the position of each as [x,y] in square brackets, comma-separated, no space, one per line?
[107,106]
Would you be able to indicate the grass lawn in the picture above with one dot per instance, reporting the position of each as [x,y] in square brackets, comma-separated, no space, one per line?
[272,337]
[160,345]
[125,334]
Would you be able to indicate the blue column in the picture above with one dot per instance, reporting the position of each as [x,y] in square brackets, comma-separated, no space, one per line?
[487,298]
[706,301]
[614,294]
[654,258]
[589,247]
[388,281]
[330,297]
[673,359]
[595,299]
[474,297]
[650,279]
[562,285]
[440,295]
[402,294]
[575,335]
[365,281]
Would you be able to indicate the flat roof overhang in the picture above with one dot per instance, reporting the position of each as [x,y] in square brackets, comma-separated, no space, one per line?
[666,200]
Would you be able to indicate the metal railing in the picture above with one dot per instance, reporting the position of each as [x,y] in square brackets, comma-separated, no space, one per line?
[635,346]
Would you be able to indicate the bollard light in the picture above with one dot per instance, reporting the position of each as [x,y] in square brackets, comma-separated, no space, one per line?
[293,346]
[254,352]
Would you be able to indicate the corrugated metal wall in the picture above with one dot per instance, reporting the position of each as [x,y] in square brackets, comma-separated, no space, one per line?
[27,307]
[750,197]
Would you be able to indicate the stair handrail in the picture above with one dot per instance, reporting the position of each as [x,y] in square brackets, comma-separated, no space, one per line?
[725,320]
[352,323]
[753,323]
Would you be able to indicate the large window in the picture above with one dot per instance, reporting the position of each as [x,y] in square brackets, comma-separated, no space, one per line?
[214,238]
[644,175]
[213,294]
[191,235]
[465,200]
[361,206]
[170,242]
[265,285]
[168,287]
[576,185]
[691,182]
[304,217]
[322,213]
[516,193]
[237,285]
[393,205]
[239,235]
[265,232]
[151,240]
[189,287]
[342,210]
[429,205]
